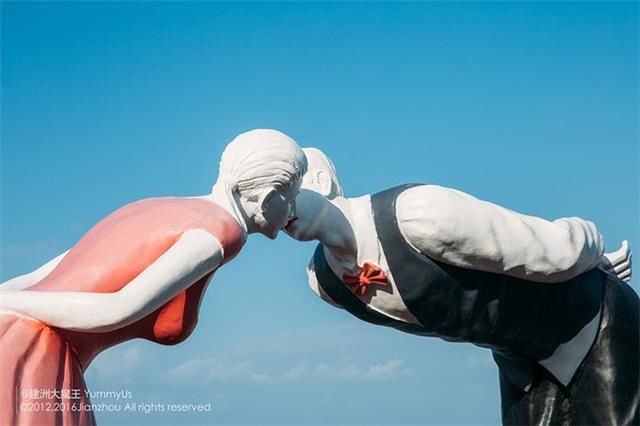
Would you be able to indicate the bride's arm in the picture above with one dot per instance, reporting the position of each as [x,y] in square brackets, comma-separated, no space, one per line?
[195,254]
[27,280]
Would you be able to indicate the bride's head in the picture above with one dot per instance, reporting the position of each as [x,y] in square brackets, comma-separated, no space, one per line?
[262,169]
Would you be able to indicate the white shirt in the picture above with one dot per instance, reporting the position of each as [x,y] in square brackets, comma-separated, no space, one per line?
[385,300]
[555,250]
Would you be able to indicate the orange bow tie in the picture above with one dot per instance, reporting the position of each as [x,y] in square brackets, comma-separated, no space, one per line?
[369,275]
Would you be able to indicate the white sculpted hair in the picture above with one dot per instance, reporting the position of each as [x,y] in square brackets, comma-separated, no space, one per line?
[318,160]
[261,158]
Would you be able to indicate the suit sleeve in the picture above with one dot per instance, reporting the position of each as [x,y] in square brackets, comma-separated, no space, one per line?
[461,230]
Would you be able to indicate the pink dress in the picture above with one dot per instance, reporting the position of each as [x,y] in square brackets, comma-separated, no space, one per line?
[41,367]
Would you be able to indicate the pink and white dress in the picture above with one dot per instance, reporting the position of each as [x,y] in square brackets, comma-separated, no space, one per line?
[41,367]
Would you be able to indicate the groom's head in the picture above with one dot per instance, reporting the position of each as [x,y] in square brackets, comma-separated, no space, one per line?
[320,185]
[321,175]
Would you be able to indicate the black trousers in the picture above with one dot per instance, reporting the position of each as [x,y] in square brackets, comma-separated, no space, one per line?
[604,390]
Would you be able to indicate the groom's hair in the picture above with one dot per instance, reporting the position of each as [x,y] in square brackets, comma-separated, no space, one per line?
[262,158]
[318,160]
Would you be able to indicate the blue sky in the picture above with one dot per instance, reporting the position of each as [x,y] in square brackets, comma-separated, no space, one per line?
[529,105]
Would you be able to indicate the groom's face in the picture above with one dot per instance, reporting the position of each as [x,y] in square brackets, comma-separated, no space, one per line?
[310,210]
[313,202]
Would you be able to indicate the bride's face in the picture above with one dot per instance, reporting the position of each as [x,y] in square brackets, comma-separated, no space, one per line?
[271,209]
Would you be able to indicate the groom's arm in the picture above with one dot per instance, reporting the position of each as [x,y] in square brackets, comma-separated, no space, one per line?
[461,230]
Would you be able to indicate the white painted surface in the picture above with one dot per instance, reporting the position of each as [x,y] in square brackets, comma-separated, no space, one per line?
[195,254]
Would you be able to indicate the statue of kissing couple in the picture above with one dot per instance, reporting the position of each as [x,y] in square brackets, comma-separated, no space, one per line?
[554,309]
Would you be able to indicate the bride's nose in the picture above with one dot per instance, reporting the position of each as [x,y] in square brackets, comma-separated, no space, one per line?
[292,210]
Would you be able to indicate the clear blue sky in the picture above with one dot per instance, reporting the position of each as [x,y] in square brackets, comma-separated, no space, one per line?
[530,105]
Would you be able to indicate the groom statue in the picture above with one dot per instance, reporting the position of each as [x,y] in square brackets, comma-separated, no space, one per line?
[555,311]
